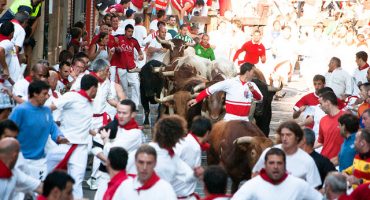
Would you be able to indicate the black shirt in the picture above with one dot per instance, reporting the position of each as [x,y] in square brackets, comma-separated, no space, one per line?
[323,165]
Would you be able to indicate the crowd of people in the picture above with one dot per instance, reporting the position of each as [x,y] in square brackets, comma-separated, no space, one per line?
[53,118]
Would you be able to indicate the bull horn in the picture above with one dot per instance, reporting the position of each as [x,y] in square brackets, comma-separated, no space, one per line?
[158,69]
[135,70]
[164,99]
[166,42]
[198,87]
[168,73]
[244,139]
[274,89]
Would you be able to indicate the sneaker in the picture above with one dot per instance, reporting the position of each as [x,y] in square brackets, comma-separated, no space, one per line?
[92,183]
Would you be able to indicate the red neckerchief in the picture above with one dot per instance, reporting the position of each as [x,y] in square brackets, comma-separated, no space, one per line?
[65,81]
[205,146]
[132,124]
[265,177]
[41,197]
[75,42]
[214,196]
[206,46]
[15,21]
[55,94]
[84,94]
[113,184]
[243,83]
[28,78]
[149,183]
[363,67]
[5,172]
[3,37]
[170,151]
[97,77]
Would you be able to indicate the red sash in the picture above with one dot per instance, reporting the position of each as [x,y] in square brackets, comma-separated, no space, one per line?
[5,172]
[106,118]
[113,184]
[204,146]
[149,183]
[63,164]
[214,196]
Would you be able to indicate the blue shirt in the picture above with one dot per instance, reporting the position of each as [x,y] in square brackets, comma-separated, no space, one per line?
[35,124]
[347,152]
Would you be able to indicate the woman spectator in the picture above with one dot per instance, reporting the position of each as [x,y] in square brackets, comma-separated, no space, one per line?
[100,49]
[204,49]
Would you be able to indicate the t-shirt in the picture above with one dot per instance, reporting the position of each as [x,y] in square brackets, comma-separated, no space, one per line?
[140,34]
[204,52]
[153,25]
[125,58]
[362,192]
[364,106]
[159,56]
[300,164]
[329,135]
[19,34]
[347,152]
[253,52]
[307,100]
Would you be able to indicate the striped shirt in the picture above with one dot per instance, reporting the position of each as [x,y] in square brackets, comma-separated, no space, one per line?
[185,38]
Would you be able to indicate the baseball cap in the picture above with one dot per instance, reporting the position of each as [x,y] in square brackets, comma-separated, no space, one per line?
[129,12]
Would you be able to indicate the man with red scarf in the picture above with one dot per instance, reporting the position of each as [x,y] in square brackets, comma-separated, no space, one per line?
[215,183]
[146,184]
[57,185]
[274,182]
[122,132]
[20,90]
[190,150]
[12,178]
[76,124]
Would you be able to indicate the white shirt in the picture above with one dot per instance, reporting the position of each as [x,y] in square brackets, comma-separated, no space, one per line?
[119,31]
[317,115]
[11,59]
[140,34]
[159,56]
[19,35]
[19,182]
[77,84]
[102,95]
[189,151]
[300,165]
[291,188]
[130,140]
[153,25]
[340,81]
[126,22]
[20,89]
[168,168]
[76,118]
[56,113]
[360,76]
[152,36]
[161,190]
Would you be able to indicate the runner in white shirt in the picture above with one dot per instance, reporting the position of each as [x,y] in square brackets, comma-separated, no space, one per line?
[123,132]
[77,72]
[6,51]
[338,79]
[76,123]
[169,166]
[140,34]
[189,149]
[155,49]
[362,68]
[161,16]
[146,184]
[152,35]
[57,185]
[298,162]
[12,179]
[130,14]
[20,89]
[20,22]
[215,183]
[275,182]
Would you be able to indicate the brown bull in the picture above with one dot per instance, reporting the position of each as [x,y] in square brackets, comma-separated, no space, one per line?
[236,145]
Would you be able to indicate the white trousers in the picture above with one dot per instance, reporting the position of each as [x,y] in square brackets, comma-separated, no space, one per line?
[229,117]
[102,183]
[34,168]
[76,164]
[128,81]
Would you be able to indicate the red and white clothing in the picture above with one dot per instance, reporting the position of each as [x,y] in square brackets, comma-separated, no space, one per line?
[329,135]
[309,100]
[76,122]
[253,52]
[189,150]
[300,164]
[10,55]
[217,197]
[14,181]
[152,36]
[179,4]
[103,94]
[238,97]
[289,187]
[360,74]
[161,5]
[111,188]
[77,83]
[168,167]
[155,189]
[153,25]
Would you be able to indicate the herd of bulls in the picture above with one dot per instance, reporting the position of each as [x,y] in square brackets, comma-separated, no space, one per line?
[172,83]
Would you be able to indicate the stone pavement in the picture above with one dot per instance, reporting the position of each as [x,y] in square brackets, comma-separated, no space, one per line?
[281,111]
